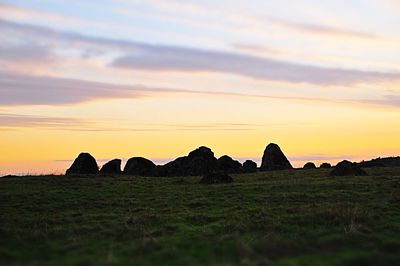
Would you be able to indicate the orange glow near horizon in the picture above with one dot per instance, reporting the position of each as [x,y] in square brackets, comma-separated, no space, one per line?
[241,128]
[167,77]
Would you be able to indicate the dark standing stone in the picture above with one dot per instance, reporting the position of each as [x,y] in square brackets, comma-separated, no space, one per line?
[325,165]
[83,164]
[199,162]
[274,159]
[139,166]
[309,165]
[112,167]
[228,165]
[216,178]
[249,166]
[346,168]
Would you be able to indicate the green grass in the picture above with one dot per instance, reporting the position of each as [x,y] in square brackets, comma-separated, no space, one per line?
[298,217]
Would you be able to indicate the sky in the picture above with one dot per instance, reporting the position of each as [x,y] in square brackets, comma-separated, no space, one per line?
[159,78]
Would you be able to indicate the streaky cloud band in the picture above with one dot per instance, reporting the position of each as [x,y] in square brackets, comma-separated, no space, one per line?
[154,57]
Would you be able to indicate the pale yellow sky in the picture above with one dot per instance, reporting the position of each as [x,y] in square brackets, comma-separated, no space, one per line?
[160,78]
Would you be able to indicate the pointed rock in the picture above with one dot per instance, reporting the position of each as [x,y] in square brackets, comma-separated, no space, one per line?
[274,159]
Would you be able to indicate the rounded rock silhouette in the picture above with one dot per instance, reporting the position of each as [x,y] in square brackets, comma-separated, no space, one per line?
[325,165]
[309,165]
[347,168]
[139,166]
[199,162]
[83,164]
[228,165]
[111,167]
[249,166]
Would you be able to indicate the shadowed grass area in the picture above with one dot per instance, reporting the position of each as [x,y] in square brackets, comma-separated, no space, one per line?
[297,217]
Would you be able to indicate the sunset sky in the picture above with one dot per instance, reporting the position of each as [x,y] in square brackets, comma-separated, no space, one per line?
[158,78]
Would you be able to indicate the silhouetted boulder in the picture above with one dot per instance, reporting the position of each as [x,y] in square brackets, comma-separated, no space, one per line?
[199,162]
[83,164]
[309,165]
[346,168]
[228,165]
[249,166]
[139,166]
[202,152]
[216,178]
[325,165]
[274,159]
[112,167]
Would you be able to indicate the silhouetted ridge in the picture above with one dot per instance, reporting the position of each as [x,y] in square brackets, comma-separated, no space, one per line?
[381,162]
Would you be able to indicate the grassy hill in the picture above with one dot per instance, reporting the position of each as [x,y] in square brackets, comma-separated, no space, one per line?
[297,217]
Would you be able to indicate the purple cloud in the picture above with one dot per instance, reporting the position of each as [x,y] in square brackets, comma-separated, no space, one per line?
[141,56]
[183,59]
[321,29]
[14,121]
[17,89]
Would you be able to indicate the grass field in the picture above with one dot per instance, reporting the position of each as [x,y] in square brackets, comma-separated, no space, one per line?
[297,217]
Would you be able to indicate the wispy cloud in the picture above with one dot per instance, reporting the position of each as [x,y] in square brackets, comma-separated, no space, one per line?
[147,57]
[235,17]
[321,29]
[256,48]
[25,53]
[387,100]
[16,121]
[20,89]
[182,59]
[9,11]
